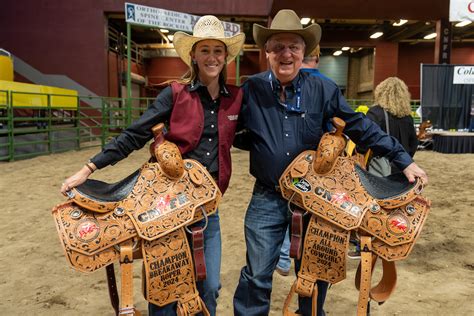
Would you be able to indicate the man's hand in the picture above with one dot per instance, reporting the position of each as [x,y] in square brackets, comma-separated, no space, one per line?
[413,171]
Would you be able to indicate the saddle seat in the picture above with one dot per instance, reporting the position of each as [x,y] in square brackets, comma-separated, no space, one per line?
[102,197]
[390,192]
[100,191]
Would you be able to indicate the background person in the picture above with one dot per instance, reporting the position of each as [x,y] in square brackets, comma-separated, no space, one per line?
[202,112]
[310,64]
[285,111]
[392,95]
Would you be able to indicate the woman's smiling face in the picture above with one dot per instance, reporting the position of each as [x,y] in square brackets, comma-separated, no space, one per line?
[210,56]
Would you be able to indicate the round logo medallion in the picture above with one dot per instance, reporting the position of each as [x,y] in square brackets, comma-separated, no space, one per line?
[87,230]
[410,209]
[398,224]
[75,213]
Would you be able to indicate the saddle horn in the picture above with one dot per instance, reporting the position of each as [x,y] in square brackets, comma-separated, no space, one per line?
[330,147]
[166,153]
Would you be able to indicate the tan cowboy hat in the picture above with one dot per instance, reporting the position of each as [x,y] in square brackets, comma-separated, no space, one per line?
[207,27]
[287,21]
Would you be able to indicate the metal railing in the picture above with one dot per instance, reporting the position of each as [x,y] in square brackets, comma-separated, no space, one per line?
[28,130]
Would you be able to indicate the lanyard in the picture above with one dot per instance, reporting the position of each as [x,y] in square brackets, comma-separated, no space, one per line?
[288,107]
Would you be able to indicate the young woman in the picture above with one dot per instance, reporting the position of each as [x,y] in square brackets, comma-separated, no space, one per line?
[202,112]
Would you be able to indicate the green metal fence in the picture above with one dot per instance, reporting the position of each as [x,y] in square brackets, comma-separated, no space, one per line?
[28,130]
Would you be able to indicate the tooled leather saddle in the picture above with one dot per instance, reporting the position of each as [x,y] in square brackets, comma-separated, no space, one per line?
[342,198]
[145,215]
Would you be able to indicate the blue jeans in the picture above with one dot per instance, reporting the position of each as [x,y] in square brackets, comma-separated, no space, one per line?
[284,263]
[209,288]
[266,222]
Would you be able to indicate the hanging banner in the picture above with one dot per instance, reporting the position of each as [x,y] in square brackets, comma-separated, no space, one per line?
[167,19]
[461,10]
[463,75]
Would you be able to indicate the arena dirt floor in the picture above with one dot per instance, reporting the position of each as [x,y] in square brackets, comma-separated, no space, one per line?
[437,279]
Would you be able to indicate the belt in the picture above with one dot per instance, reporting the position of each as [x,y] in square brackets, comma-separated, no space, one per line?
[271,188]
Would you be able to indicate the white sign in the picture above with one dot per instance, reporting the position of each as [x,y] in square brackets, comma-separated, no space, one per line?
[154,17]
[463,75]
[461,10]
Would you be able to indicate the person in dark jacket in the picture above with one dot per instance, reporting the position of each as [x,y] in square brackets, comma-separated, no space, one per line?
[285,112]
[202,112]
[392,95]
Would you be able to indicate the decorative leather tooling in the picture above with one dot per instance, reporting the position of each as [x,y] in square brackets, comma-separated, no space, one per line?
[150,210]
[342,198]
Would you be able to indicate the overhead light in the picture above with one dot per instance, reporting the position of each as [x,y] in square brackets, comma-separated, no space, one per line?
[164,31]
[376,35]
[430,36]
[400,22]
[337,52]
[462,23]
[345,48]
[170,37]
[305,21]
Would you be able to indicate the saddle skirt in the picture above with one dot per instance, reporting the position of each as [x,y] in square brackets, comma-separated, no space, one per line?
[389,209]
[90,227]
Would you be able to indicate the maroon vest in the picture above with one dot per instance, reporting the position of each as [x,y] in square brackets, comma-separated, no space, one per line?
[187,124]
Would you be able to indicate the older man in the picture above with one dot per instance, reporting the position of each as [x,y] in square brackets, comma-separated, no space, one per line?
[285,112]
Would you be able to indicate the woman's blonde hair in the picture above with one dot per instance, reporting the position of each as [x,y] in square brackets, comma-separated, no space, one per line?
[392,94]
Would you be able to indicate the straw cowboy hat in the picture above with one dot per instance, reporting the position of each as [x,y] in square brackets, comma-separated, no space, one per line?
[207,27]
[287,21]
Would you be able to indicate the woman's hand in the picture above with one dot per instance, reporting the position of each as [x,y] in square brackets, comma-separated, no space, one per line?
[78,178]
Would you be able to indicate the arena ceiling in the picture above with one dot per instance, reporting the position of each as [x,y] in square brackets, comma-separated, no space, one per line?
[344,22]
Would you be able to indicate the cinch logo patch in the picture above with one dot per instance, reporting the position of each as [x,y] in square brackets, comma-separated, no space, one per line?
[340,199]
[165,204]
[302,185]
[233,117]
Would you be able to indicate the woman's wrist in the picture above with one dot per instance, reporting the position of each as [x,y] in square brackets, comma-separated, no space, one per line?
[90,167]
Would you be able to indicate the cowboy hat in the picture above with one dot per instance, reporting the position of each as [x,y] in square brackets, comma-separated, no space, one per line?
[207,27]
[286,21]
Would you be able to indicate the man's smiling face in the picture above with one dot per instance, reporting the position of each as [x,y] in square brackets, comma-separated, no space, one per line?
[285,52]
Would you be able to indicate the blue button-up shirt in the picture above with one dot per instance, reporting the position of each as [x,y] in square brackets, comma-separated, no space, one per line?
[278,134]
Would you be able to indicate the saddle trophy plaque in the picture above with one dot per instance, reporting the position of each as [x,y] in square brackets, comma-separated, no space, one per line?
[146,215]
[341,198]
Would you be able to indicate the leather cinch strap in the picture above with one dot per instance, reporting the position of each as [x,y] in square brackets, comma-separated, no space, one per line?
[126,268]
[382,291]
[112,285]
[365,274]
[296,244]
[198,253]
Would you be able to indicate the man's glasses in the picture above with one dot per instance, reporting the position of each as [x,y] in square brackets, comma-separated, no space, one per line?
[278,48]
